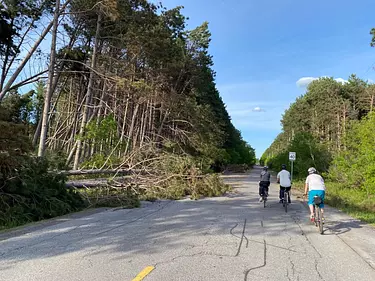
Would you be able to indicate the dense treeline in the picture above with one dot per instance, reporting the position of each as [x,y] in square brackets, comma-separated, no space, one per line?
[126,86]
[332,128]
[125,74]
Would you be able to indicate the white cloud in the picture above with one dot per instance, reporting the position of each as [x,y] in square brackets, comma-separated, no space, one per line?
[258,109]
[342,81]
[305,81]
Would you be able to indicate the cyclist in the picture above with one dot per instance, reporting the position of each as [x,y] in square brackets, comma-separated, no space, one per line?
[283,178]
[264,183]
[315,185]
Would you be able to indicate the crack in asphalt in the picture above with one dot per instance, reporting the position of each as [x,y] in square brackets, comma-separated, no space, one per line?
[317,270]
[231,231]
[293,267]
[202,253]
[296,220]
[275,246]
[242,237]
[287,275]
[258,267]
[289,256]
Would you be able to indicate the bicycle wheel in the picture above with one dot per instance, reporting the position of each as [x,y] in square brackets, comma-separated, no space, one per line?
[264,200]
[316,215]
[320,223]
[286,201]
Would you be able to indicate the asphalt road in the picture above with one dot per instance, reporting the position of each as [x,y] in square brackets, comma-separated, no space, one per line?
[227,238]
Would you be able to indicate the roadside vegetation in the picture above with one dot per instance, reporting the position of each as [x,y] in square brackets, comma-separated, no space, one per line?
[353,202]
[332,127]
[123,85]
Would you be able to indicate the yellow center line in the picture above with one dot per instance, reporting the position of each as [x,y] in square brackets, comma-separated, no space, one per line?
[144,273]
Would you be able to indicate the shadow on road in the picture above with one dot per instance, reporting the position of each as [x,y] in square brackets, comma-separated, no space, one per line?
[163,225]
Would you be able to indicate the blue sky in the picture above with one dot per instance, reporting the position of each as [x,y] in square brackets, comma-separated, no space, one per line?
[261,48]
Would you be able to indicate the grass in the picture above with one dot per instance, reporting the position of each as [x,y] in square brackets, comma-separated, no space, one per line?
[355,202]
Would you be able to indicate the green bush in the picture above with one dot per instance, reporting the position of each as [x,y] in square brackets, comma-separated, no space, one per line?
[355,202]
[28,192]
[31,193]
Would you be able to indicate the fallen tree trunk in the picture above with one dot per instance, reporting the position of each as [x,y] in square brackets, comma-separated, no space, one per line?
[102,172]
[93,183]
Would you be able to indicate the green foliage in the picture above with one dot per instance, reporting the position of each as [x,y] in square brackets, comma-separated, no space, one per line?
[309,154]
[56,160]
[32,193]
[6,31]
[101,161]
[19,107]
[14,143]
[101,130]
[332,128]
[177,187]
[355,166]
[181,176]
[355,202]
[372,32]
[324,114]
[153,86]
[173,73]
[28,192]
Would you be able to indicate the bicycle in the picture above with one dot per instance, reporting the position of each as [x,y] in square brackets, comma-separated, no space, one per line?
[286,199]
[264,194]
[318,214]
[264,197]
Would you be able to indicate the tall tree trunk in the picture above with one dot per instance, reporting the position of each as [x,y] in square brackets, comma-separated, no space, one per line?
[131,129]
[98,116]
[37,132]
[88,94]
[51,72]
[338,132]
[124,120]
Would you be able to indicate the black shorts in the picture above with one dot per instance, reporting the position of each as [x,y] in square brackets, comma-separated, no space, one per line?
[264,184]
[285,188]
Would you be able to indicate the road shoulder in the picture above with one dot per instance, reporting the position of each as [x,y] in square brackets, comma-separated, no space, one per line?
[356,234]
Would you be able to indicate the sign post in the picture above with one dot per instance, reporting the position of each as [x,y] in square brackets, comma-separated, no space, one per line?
[292,158]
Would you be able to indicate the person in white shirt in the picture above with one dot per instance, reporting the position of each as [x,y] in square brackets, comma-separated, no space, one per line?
[283,177]
[315,185]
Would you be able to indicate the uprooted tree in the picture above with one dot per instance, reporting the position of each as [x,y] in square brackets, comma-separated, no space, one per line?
[126,87]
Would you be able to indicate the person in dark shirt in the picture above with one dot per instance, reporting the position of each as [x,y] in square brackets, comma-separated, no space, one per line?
[264,183]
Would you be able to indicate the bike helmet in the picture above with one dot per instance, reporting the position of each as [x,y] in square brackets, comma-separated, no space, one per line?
[265,168]
[283,166]
[311,170]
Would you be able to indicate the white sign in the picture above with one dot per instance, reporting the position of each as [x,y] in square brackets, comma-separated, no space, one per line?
[292,156]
